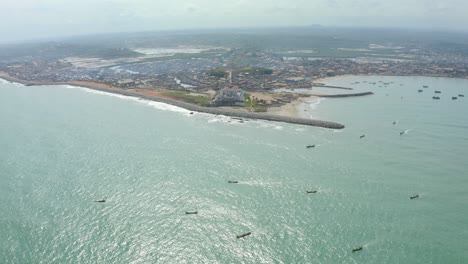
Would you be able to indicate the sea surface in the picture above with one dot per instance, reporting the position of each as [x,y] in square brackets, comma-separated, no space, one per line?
[62,148]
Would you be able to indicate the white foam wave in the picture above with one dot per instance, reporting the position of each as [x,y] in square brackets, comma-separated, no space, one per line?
[223,119]
[153,104]
[219,118]
[2,81]
[314,104]
[267,124]
[17,84]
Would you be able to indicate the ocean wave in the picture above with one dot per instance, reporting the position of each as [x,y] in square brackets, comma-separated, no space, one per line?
[17,84]
[219,119]
[3,81]
[316,102]
[153,104]
[268,124]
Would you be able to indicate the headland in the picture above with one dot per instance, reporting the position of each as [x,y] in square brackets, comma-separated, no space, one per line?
[185,105]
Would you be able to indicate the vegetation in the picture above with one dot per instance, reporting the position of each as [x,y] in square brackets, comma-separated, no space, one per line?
[187,97]
[219,72]
[252,104]
[247,101]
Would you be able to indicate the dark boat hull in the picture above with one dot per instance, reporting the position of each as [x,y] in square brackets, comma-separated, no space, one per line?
[244,235]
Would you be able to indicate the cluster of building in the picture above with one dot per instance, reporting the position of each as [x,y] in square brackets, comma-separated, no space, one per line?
[229,96]
[193,73]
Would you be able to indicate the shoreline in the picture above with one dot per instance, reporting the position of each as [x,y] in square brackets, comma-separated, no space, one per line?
[188,106]
[325,79]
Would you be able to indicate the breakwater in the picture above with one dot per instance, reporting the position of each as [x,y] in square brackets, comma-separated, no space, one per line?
[192,107]
[343,95]
[227,112]
[330,86]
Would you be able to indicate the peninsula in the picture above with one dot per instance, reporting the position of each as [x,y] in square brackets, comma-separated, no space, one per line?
[188,106]
[233,73]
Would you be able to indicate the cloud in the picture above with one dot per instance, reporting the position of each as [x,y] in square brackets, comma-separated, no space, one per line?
[33,18]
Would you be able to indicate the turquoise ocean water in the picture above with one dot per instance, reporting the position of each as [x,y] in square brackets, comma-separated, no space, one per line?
[61,148]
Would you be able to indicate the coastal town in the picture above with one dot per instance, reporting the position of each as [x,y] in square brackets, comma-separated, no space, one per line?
[216,76]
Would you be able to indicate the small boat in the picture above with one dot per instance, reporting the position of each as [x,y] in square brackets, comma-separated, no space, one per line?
[233,181]
[420,91]
[358,249]
[362,136]
[100,201]
[435,97]
[437,92]
[310,146]
[191,212]
[461,95]
[414,196]
[394,122]
[454,98]
[244,235]
[425,86]
[311,191]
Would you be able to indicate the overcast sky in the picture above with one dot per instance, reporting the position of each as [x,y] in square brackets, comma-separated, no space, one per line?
[31,19]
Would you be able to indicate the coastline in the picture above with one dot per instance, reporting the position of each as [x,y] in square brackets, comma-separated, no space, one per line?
[188,106]
[328,79]
[292,109]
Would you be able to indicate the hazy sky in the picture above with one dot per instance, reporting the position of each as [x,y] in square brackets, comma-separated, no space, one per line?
[28,19]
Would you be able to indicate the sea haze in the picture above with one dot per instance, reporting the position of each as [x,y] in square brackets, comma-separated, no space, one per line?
[62,148]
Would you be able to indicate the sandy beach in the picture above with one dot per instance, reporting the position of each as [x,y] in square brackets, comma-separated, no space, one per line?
[192,107]
[299,108]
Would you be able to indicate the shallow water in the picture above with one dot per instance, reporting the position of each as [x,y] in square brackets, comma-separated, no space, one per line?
[61,149]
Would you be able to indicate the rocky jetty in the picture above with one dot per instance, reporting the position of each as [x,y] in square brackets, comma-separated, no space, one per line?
[344,95]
